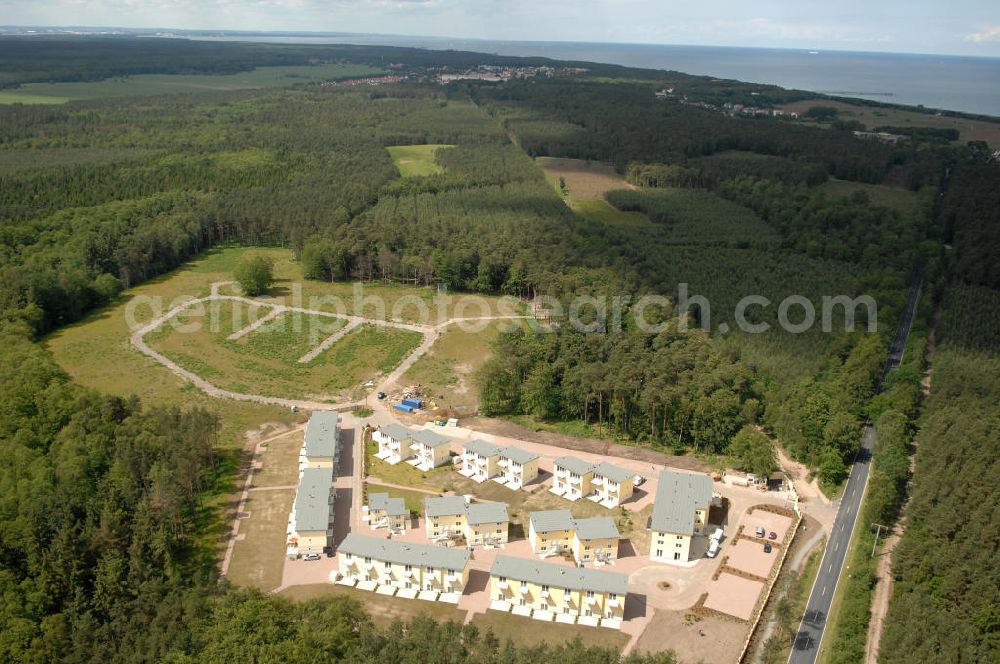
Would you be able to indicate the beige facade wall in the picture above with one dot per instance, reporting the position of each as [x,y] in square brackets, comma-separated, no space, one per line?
[401,576]
[436,526]
[590,550]
[669,546]
[543,542]
[494,533]
[556,599]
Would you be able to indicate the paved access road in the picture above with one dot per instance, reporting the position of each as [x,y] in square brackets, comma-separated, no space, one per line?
[807,640]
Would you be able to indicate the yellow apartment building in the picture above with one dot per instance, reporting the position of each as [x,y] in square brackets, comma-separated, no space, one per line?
[321,446]
[445,518]
[595,540]
[547,591]
[571,478]
[405,569]
[517,467]
[387,512]
[612,484]
[393,443]
[680,513]
[487,524]
[550,532]
[480,460]
[310,524]
[430,449]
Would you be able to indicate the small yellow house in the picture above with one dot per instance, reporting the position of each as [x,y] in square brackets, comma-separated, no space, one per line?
[517,467]
[387,512]
[405,569]
[554,532]
[595,540]
[547,591]
[321,446]
[393,443]
[613,485]
[430,449]
[480,460]
[550,532]
[486,524]
[445,518]
[310,524]
[571,478]
[680,512]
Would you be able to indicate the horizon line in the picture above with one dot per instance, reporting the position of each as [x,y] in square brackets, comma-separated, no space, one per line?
[332,33]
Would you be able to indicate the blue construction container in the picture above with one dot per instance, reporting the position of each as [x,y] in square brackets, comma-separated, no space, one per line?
[403,407]
[413,403]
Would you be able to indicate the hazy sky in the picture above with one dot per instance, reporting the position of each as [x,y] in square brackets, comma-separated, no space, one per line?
[970,27]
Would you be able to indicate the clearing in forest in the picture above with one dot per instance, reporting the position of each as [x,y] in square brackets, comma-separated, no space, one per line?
[416,160]
[446,371]
[583,185]
[211,341]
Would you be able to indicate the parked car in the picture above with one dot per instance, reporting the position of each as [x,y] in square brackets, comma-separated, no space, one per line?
[772,535]
[638,481]
[713,548]
[381,395]
[760,531]
[716,535]
[767,547]
[311,556]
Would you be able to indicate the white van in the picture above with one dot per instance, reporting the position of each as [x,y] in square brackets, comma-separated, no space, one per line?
[713,548]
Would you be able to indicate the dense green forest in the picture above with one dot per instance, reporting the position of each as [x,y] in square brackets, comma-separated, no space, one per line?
[947,565]
[104,552]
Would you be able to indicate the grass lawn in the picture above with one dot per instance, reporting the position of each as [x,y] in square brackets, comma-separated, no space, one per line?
[416,160]
[404,473]
[259,558]
[156,84]
[414,499]
[280,461]
[530,632]
[265,361]
[382,609]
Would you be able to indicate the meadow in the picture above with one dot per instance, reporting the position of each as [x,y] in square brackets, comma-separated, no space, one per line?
[416,160]
[143,85]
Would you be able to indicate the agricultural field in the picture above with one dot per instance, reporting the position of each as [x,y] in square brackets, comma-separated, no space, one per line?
[416,160]
[873,116]
[158,84]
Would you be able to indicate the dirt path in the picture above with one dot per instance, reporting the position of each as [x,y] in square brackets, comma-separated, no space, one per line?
[881,597]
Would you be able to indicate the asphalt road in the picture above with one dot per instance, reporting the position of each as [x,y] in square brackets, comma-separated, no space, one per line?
[805,649]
